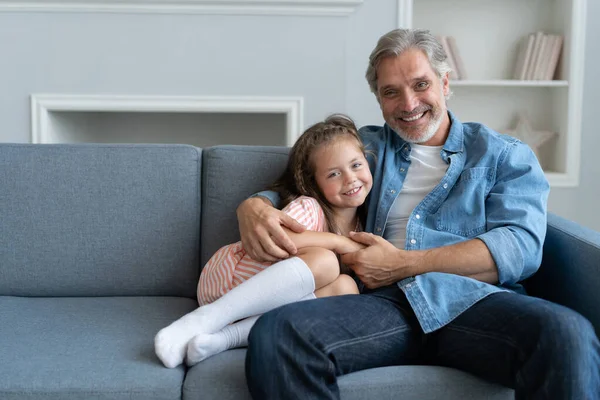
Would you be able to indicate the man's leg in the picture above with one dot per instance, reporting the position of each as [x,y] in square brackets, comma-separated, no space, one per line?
[543,350]
[297,351]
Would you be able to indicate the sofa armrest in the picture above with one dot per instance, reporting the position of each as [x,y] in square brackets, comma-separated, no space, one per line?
[570,271]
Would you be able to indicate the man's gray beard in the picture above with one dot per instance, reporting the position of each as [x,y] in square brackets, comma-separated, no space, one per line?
[432,128]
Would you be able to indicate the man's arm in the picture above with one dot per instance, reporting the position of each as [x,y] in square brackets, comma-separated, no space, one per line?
[382,264]
[516,214]
[261,230]
[471,258]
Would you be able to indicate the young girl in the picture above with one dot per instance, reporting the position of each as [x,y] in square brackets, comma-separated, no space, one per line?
[326,182]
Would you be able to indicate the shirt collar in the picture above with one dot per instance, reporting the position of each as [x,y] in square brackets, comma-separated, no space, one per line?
[454,142]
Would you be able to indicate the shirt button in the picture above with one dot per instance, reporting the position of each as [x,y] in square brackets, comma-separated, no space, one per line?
[378,229]
[417,216]
[408,285]
[413,241]
[392,191]
[445,186]
[401,169]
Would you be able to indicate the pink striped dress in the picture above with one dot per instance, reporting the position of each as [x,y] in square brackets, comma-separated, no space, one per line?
[230,265]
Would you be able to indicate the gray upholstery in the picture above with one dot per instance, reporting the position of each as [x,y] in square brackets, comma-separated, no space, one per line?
[222,377]
[419,383]
[67,348]
[102,245]
[229,175]
[99,220]
[570,272]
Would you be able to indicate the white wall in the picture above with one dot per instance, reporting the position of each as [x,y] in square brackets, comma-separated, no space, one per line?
[172,54]
[322,59]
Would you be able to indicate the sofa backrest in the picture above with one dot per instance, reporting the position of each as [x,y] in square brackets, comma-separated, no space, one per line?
[229,175]
[99,220]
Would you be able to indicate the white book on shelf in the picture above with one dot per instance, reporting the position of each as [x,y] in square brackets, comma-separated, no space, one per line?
[458,61]
[542,64]
[526,48]
[444,42]
[537,47]
[554,57]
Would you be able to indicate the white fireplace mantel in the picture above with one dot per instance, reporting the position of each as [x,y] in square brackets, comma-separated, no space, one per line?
[42,105]
[234,7]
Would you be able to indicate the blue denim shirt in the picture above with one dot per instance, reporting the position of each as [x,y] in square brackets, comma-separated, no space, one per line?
[494,190]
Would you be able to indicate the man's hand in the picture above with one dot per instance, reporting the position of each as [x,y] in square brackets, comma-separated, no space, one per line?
[262,236]
[379,264]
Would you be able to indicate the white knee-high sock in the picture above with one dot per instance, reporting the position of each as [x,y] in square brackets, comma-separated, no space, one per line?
[284,282]
[202,346]
[205,345]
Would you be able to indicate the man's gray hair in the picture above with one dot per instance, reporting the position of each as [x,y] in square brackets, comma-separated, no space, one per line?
[398,41]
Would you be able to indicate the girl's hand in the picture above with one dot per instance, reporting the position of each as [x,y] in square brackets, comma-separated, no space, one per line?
[261,230]
[347,245]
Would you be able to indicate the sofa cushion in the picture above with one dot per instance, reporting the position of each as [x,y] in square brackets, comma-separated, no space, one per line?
[87,348]
[419,382]
[222,377]
[99,220]
[226,181]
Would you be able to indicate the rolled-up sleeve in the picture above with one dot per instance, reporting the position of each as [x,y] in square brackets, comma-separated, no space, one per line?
[516,214]
[270,195]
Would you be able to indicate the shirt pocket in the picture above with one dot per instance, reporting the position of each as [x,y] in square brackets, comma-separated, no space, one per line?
[463,211]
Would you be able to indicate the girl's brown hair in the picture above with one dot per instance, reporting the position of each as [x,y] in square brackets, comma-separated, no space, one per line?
[298,178]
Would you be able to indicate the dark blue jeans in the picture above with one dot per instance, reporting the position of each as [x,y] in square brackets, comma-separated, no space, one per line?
[541,349]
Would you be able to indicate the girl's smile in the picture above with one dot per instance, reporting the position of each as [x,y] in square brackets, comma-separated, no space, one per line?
[342,173]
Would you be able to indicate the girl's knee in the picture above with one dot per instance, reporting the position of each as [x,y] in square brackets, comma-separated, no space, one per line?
[322,262]
[344,284]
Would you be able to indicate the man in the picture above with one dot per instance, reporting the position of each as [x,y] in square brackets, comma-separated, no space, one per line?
[457,217]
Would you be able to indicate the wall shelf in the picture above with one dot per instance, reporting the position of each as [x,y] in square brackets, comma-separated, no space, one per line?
[488,34]
[68,118]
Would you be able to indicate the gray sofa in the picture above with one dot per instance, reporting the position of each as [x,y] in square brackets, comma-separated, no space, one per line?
[101,246]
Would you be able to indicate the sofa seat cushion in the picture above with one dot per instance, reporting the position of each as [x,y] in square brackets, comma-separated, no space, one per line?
[87,348]
[222,377]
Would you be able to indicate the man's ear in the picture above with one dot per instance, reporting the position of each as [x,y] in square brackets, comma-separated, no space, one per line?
[446,84]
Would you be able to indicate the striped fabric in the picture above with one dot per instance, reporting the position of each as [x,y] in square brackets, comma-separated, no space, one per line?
[230,265]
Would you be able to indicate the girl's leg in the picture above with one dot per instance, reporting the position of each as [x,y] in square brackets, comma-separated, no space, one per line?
[205,345]
[344,284]
[236,335]
[322,263]
[282,283]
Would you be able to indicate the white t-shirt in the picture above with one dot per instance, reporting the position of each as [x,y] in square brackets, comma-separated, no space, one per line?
[426,170]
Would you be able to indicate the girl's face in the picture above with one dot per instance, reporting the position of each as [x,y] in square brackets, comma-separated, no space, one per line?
[342,173]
